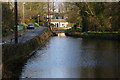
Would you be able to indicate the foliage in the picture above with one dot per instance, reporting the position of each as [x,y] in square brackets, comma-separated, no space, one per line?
[72,12]
[36,25]
[71,24]
[73,30]
[30,14]
[32,10]
[25,25]
[7,18]
[41,23]
[99,16]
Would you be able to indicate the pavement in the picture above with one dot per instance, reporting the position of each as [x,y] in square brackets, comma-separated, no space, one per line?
[25,36]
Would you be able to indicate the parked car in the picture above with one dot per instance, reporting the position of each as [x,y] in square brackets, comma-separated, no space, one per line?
[30,26]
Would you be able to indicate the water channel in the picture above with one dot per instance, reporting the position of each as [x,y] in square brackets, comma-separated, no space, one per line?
[68,57]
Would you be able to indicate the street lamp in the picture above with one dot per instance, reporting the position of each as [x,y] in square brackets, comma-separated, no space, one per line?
[23,12]
[38,19]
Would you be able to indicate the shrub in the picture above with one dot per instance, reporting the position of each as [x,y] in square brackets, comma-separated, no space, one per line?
[36,25]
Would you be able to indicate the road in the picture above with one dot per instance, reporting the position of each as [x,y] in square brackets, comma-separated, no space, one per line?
[27,35]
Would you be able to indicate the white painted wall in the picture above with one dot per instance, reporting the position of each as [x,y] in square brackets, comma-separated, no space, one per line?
[63,24]
[60,24]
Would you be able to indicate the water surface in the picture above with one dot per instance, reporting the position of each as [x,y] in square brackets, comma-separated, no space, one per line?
[67,57]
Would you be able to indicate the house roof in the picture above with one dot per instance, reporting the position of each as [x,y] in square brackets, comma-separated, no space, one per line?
[58,20]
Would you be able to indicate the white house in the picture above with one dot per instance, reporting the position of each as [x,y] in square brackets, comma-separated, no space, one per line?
[59,22]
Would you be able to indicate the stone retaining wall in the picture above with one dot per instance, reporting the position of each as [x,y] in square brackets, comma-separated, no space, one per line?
[14,56]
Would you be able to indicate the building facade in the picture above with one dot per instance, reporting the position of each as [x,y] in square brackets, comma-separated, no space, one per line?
[59,20]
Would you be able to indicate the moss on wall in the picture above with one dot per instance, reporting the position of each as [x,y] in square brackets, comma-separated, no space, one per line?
[14,56]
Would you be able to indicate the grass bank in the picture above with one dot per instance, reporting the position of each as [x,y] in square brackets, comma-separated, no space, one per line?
[94,35]
[14,56]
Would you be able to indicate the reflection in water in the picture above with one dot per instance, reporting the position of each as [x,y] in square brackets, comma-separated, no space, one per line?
[61,35]
[68,57]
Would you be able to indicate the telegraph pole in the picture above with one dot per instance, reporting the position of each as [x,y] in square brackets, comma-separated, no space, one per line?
[53,7]
[38,19]
[23,12]
[16,17]
[49,15]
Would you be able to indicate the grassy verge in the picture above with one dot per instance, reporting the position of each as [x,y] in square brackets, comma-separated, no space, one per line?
[93,34]
[14,56]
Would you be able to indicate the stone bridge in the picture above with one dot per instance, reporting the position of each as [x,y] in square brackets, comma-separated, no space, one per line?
[60,29]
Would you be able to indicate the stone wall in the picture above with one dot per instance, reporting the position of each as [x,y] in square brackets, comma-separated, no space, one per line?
[14,56]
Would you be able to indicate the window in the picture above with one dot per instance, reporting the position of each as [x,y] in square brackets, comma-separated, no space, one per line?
[63,25]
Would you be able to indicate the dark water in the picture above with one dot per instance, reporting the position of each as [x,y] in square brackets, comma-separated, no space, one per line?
[67,57]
